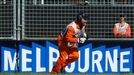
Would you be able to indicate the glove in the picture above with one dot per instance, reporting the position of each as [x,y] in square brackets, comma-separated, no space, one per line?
[81,40]
[75,35]
[69,44]
[85,35]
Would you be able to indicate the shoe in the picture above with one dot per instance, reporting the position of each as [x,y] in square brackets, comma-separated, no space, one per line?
[63,71]
[52,72]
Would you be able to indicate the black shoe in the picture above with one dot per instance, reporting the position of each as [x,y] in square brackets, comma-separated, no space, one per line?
[63,71]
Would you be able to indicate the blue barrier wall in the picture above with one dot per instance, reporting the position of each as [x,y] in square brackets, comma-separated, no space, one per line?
[40,56]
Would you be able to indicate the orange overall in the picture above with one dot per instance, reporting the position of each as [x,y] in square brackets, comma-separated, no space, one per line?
[124,31]
[67,54]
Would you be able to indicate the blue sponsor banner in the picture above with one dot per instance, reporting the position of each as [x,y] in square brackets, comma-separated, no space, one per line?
[52,53]
[84,64]
[25,59]
[98,60]
[112,60]
[39,56]
[126,60]
[8,59]
[94,57]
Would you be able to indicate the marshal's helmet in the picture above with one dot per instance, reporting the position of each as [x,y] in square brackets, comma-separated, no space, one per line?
[81,15]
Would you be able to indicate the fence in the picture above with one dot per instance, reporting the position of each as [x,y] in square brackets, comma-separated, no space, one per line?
[43,19]
[7,19]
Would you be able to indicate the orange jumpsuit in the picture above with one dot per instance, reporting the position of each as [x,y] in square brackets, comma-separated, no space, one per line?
[67,54]
[124,31]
